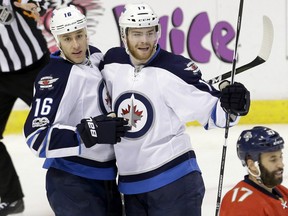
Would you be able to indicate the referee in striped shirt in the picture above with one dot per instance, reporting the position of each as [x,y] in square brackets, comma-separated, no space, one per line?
[23,53]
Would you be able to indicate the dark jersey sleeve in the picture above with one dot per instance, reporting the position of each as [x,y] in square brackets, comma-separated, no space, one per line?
[43,130]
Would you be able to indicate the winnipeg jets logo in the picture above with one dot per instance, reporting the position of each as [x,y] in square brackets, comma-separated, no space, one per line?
[191,66]
[138,110]
[104,98]
[47,82]
[131,113]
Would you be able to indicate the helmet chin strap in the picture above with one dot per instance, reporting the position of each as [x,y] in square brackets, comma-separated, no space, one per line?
[125,45]
[257,176]
[62,54]
[60,49]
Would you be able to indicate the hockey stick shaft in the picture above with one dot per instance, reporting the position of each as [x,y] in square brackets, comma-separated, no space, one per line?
[224,149]
[237,39]
[264,53]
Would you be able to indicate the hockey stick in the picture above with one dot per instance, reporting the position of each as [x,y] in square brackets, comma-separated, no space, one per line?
[266,46]
[224,149]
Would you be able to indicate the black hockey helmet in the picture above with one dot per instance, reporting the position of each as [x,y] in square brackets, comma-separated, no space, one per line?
[258,140]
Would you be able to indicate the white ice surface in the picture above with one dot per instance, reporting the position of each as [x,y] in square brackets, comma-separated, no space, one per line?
[207,145]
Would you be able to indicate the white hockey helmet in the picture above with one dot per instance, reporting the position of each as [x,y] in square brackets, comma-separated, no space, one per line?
[137,16]
[66,20]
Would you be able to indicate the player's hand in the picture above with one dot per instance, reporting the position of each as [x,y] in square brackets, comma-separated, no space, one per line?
[235,98]
[31,7]
[102,129]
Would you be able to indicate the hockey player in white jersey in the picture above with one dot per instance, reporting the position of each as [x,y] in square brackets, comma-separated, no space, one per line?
[159,92]
[81,176]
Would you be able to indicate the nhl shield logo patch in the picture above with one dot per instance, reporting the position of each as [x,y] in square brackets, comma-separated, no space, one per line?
[6,15]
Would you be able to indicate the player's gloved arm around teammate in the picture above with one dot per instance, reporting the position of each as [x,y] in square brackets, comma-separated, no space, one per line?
[235,98]
[102,129]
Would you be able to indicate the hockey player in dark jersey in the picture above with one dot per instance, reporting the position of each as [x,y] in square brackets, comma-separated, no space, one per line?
[81,176]
[261,192]
[23,53]
[158,93]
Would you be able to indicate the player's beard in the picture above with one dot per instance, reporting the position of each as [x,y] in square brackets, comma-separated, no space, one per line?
[140,56]
[268,178]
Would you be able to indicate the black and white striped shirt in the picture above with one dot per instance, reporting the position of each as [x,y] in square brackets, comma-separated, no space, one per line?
[21,42]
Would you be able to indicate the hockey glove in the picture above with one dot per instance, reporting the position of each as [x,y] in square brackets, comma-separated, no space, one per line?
[102,129]
[235,99]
